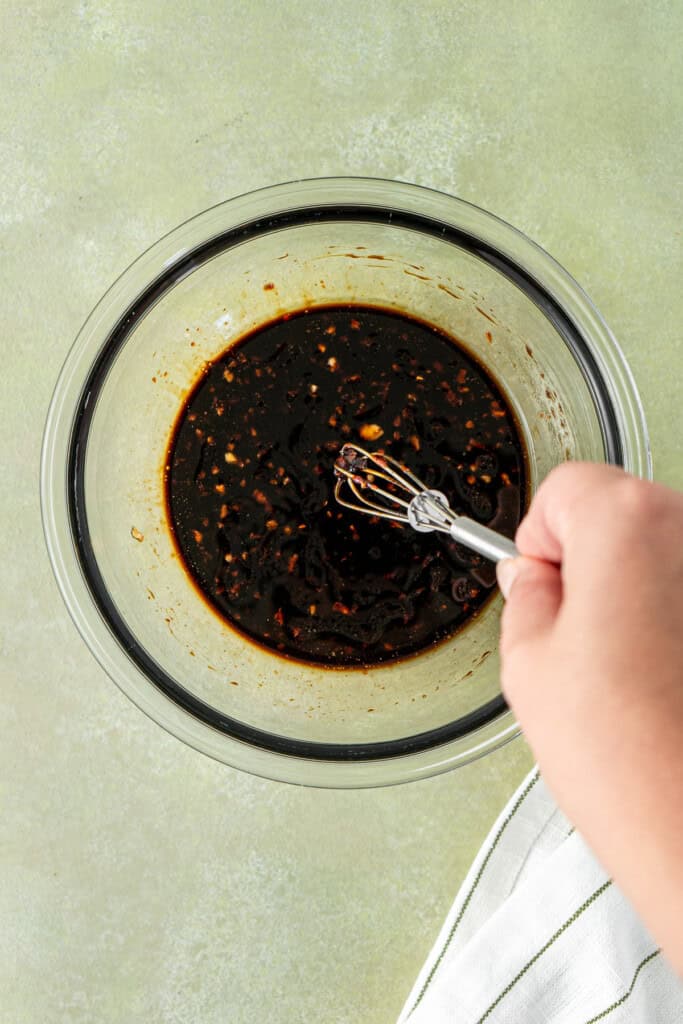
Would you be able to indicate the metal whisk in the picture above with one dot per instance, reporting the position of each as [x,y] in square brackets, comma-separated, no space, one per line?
[409,501]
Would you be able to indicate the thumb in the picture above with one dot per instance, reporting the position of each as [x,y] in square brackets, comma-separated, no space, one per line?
[533,594]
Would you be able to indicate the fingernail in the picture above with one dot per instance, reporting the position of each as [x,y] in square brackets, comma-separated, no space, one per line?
[506,571]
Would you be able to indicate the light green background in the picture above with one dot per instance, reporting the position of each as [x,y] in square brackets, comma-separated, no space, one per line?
[141,881]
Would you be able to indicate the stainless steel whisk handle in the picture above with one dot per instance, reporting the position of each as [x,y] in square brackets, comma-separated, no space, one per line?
[429,510]
[482,540]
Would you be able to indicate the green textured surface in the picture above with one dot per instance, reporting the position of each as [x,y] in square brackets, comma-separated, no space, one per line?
[141,881]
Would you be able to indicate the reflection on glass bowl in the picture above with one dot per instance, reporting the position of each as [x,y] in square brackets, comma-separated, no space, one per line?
[182,303]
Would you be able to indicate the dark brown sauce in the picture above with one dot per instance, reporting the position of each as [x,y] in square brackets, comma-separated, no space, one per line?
[250,479]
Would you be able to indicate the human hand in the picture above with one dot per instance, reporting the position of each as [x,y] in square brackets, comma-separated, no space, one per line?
[592,666]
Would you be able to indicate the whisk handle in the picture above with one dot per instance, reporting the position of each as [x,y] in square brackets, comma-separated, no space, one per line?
[482,540]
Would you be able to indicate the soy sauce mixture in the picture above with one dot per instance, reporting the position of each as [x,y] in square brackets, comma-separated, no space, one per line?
[250,479]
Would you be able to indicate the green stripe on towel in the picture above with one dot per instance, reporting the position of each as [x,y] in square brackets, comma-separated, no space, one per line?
[620,1002]
[570,921]
[518,803]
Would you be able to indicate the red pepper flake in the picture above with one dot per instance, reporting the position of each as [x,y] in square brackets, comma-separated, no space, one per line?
[219,488]
[229,376]
[415,442]
[355,325]
[291,563]
[461,375]
[271,524]
[268,286]
[469,424]
[279,617]
[331,329]
[343,609]
[371,431]
[312,609]
[198,536]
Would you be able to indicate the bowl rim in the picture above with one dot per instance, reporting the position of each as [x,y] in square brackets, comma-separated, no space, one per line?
[175,255]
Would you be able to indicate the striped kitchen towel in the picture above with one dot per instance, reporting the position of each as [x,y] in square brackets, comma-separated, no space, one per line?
[539,934]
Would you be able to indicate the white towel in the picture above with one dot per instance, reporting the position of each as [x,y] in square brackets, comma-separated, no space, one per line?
[539,934]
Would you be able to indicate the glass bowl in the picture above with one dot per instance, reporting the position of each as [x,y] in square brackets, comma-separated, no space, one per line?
[190,296]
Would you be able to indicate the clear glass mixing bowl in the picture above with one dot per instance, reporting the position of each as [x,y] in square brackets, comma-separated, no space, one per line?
[185,300]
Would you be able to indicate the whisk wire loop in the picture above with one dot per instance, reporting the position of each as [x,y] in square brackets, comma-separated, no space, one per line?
[410,501]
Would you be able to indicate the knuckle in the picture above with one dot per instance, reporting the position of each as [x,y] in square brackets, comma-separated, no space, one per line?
[634,503]
[557,480]
[612,503]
